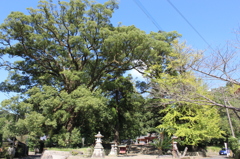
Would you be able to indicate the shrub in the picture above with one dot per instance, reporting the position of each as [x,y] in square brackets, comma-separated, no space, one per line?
[233,144]
[75,152]
[237,154]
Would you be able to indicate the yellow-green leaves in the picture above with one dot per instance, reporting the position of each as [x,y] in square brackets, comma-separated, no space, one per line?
[192,123]
[186,114]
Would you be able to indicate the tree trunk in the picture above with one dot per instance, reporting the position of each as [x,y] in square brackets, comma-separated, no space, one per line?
[160,151]
[116,133]
[116,129]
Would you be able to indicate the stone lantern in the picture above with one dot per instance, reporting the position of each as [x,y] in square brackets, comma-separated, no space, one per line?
[98,149]
[114,149]
[175,152]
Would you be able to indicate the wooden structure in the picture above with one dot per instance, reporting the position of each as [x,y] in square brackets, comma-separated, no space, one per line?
[146,139]
[123,149]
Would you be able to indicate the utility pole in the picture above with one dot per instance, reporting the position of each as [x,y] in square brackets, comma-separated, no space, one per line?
[229,119]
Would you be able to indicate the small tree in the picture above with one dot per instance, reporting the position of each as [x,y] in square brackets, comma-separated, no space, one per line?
[180,94]
[162,142]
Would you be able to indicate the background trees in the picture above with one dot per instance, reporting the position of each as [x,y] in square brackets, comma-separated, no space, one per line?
[222,66]
[125,105]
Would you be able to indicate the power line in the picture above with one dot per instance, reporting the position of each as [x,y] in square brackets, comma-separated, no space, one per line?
[139,4]
[158,26]
[190,24]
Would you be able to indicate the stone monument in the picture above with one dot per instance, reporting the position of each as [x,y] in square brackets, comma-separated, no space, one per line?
[98,149]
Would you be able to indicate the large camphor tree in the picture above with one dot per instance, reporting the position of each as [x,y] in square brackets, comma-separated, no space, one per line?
[63,56]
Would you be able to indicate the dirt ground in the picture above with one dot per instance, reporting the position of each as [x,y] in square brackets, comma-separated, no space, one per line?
[138,156]
[163,157]
[114,157]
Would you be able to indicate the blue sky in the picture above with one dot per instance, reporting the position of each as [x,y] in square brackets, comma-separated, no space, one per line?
[215,20]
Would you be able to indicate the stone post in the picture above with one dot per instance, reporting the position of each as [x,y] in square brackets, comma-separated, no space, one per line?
[83,140]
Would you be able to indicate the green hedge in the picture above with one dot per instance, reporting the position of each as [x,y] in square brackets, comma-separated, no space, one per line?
[237,154]
[233,144]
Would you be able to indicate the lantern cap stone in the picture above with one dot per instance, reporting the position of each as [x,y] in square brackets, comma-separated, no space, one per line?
[99,135]
[174,137]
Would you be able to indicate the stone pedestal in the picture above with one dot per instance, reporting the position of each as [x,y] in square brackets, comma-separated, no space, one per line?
[98,149]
